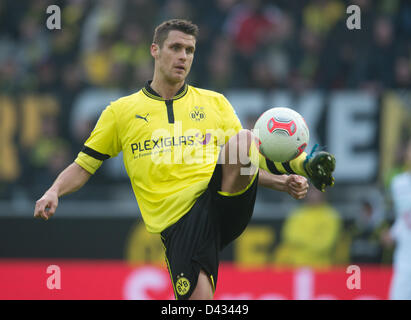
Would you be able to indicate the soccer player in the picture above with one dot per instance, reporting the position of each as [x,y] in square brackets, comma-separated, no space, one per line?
[400,232]
[193,169]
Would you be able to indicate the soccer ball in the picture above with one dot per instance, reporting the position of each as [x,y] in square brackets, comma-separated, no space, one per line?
[283,134]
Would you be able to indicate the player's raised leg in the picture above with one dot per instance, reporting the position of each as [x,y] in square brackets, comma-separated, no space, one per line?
[235,157]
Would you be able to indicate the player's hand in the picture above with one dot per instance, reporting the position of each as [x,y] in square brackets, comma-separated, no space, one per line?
[296,186]
[46,206]
[320,169]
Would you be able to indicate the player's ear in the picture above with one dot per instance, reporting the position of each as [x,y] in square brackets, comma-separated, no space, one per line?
[154,50]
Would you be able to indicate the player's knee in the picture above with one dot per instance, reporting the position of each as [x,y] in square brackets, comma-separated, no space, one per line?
[236,151]
[245,138]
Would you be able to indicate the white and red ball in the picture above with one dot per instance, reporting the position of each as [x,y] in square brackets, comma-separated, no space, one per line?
[283,134]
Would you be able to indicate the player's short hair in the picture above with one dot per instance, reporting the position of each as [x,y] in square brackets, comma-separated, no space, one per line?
[161,31]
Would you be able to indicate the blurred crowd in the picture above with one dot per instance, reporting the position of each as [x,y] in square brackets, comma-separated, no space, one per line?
[242,43]
[104,44]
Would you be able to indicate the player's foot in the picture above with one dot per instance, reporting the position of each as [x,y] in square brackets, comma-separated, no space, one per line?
[319,168]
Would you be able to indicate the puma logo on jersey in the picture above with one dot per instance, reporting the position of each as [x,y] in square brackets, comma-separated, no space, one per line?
[141,117]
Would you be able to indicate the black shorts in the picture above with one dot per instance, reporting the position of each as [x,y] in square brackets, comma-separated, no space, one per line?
[195,241]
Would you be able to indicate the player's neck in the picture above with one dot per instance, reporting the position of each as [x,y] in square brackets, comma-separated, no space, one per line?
[165,89]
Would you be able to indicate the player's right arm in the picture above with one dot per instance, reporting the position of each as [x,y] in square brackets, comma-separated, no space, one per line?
[102,144]
[69,180]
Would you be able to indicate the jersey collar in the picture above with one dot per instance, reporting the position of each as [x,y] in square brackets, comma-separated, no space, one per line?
[149,92]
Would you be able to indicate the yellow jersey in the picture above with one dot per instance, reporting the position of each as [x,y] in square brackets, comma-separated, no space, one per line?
[170,147]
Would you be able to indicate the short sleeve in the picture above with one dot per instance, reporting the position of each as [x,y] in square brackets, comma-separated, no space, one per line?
[102,144]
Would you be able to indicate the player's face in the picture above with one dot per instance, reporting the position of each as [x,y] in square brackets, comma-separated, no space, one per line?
[175,57]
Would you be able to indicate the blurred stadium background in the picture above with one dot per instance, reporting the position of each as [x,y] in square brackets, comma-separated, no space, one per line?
[352,87]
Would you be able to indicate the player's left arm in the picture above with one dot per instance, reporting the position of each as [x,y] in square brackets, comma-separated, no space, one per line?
[295,185]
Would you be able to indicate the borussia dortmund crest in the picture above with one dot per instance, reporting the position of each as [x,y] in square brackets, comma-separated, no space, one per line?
[182,286]
[197,114]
